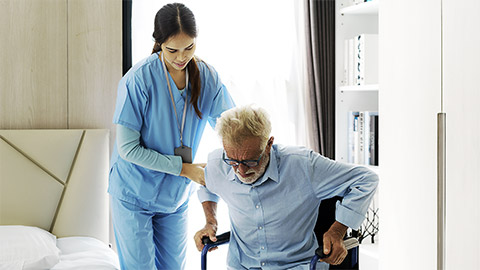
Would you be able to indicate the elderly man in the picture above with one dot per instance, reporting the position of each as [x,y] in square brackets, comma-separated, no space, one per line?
[273,193]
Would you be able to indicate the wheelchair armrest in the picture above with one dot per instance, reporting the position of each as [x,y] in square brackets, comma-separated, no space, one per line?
[349,242]
[221,239]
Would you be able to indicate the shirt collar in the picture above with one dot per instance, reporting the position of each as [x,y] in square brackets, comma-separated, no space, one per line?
[270,173]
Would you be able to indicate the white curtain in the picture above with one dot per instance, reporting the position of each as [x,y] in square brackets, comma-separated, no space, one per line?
[258,49]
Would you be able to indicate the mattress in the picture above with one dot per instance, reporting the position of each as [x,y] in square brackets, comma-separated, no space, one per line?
[27,247]
[85,253]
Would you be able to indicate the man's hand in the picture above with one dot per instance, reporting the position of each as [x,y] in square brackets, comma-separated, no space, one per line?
[333,244]
[194,172]
[209,230]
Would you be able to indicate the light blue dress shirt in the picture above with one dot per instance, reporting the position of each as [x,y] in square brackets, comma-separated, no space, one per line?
[144,105]
[272,220]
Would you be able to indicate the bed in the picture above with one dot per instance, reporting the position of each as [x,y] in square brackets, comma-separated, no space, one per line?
[53,200]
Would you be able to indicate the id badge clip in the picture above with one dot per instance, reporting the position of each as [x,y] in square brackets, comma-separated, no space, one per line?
[185,152]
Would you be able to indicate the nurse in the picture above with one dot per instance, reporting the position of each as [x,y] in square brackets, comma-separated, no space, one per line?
[163,104]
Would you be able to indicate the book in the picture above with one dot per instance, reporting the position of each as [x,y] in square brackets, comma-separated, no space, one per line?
[371,138]
[352,135]
[366,138]
[362,136]
[366,57]
[356,59]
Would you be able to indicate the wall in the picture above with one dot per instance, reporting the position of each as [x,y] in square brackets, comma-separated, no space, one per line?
[95,61]
[410,97]
[33,64]
[60,62]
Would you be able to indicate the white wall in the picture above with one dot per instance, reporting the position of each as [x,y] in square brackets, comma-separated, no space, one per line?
[258,52]
[409,100]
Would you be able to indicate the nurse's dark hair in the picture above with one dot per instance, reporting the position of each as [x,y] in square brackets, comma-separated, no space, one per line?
[171,20]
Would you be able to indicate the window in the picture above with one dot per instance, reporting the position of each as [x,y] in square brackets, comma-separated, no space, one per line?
[257,47]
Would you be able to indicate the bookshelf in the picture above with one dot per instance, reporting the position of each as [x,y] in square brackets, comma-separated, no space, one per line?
[354,95]
[353,20]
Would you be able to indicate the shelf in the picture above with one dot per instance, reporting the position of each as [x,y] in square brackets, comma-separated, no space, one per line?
[353,20]
[368,87]
[366,8]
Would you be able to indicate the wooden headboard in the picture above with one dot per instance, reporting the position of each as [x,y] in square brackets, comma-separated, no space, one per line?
[56,180]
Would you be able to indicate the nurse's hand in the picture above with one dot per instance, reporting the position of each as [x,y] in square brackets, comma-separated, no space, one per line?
[194,172]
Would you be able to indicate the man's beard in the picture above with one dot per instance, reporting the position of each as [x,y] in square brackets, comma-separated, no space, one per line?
[256,174]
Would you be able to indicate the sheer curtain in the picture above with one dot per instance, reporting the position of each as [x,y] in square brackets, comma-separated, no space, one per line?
[258,49]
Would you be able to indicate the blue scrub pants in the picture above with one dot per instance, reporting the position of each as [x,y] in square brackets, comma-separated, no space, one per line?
[149,240]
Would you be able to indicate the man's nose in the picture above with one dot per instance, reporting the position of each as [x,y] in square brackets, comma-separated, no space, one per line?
[242,168]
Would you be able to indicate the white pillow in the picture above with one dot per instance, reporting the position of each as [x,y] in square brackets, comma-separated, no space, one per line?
[24,247]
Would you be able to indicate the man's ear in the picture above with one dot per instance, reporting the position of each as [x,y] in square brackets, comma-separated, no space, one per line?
[270,143]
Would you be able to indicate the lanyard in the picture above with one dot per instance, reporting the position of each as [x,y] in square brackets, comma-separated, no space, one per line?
[180,127]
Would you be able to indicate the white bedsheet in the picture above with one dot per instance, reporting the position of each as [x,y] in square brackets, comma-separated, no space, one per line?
[85,253]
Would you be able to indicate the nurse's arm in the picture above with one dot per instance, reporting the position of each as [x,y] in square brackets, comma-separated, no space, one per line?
[130,149]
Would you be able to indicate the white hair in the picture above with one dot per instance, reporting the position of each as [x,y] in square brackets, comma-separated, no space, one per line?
[239,123]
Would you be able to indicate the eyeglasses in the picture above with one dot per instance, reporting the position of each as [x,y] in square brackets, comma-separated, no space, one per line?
[248,163]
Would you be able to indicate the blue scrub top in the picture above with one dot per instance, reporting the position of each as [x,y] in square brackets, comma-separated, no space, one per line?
[144,104]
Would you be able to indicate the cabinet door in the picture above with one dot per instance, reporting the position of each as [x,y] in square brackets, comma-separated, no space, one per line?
[409,100]
[461,104]
[33,64]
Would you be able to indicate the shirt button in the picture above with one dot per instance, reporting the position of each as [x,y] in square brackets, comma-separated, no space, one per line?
[258,206]
[260,227]
[263,264]
[263,247]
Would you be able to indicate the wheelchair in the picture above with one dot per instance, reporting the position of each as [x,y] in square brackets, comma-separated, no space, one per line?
[326,217]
